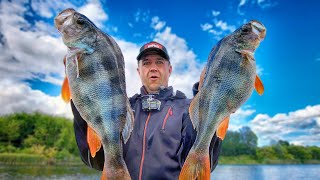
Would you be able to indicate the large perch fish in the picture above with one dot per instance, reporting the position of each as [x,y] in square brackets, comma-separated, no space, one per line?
[95,75]
[226,82]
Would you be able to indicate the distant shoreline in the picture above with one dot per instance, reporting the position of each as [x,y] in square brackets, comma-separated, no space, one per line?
[248,160]
[35,159]
[30,159]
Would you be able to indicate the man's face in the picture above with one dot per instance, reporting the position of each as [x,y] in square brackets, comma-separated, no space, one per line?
[154,72]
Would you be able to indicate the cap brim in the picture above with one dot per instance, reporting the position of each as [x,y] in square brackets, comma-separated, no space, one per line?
[157,50]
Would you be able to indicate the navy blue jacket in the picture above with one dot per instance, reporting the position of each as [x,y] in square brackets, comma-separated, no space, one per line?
[159,142]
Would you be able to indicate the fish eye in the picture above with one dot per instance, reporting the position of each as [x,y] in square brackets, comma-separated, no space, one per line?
[246,29]
[80,21]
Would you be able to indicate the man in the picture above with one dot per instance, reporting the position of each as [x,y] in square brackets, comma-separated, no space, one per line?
[163,133]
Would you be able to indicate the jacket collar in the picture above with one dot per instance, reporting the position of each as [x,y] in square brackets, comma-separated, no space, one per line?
[163,92]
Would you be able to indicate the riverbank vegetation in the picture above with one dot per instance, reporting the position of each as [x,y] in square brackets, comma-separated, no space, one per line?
[37,139]
[43,139]
[241,147]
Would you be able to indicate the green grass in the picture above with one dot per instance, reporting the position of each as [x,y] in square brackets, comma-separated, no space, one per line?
[245,159]
[35,159]
[14,158]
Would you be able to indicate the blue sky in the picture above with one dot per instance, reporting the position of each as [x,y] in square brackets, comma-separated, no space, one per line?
[31,68]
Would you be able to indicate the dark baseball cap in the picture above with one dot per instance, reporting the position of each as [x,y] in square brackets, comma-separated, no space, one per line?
[153,47]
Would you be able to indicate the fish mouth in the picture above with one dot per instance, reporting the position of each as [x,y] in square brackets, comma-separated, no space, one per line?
[258,28]
[63,19]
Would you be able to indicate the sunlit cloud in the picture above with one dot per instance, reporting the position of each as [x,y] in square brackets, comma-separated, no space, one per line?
[143,16]
[48,9]
[263,4]
[240,118]
[206,26]
[266,3]
[19,97]
[293,126]
[156,24]
[28,54]
[94,11]
[259,70]
[215,13]
[218,29]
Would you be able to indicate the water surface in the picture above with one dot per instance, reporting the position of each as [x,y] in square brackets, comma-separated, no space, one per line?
[267,172]
[222,172]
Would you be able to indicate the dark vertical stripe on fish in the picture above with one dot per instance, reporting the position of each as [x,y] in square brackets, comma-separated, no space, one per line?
[98,120]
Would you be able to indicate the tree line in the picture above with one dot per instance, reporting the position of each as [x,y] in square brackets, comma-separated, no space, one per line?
[38,134]
[245,142]
[53,138]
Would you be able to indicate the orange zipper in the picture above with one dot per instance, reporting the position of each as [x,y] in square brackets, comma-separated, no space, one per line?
[167,115]
[144,145]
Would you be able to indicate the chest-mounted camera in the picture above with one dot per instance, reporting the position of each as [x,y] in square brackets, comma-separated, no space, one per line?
[149,103]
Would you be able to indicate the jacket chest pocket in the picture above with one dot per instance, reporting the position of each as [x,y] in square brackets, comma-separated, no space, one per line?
[167,117]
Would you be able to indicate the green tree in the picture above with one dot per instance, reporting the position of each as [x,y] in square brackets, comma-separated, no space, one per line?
[249,139]
[243,142]
[9,130]
[315,152]
[299,152]
[266,152]
[27,132]
[230,144]
[281,151]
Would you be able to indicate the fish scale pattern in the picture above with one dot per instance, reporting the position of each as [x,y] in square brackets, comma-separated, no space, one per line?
[228,82]
[95,72]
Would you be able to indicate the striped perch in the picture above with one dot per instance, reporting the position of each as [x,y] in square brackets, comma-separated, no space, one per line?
[96,82]
[226,82]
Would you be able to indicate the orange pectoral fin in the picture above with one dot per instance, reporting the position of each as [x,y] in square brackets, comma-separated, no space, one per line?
[223,127]
[93,141]
[65,90]
[258,85]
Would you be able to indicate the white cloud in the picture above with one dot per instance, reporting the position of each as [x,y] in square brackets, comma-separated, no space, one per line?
[28,54]
[94,11]
[298,126]
[219,29]
[156,24]
[259,70]
[48,9]
[19,97]
[241,3]
[224,26]
[260,3]
[215,13]
[141,16]
[239,118]
[206,26]
[130,51]
[266,3]
[217,34]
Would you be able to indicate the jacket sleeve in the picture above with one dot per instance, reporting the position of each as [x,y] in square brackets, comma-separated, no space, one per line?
[80,129]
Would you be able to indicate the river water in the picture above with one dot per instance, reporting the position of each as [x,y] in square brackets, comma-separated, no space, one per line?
[222,172]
